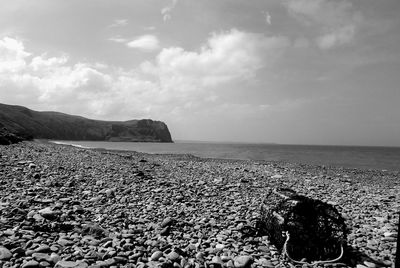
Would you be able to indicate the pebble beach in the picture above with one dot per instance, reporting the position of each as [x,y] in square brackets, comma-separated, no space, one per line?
[63,206]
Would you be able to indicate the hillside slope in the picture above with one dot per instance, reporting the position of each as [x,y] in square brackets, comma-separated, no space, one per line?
[58,126]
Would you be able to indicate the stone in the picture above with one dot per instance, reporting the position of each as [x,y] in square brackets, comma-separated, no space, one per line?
[390,234]
[5,254]
[42,249]
[41,257]
[166,222]
[369,264]
[44,264]
[266,263]
[65,242]
[216,262]
[200,256]
[219,246]
[173,256]
[54,258]
[30,264]
[156,255]
[48,213]
[389,239]
[70,264]
[243,261]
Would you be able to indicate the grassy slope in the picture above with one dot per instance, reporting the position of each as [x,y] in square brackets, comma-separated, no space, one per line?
[54,125]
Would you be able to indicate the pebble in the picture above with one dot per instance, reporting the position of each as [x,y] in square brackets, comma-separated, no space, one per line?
[42,249]
[71,264]
[64,242]
[173,256]
[48,213]
[156,255]
[30,264]
[243,261]
[181,212]
[5,254]
[369,264]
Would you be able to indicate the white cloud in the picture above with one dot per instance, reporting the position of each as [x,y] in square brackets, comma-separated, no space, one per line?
[337,37]
[336,21]
[175,83]
[145,42]
[228,56]
[167,10]
[12,55]
[119,23]
[118,39]
[268,18]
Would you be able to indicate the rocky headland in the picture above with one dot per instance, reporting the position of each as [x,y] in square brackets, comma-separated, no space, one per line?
[62,206]
[31,124]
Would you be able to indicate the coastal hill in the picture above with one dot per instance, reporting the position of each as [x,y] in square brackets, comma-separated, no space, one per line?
[29,124]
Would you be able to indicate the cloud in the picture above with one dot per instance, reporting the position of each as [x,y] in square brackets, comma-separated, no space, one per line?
[336,22]
[118,39]
[176,82]
[226,57]
[167,10]
[337,37]
[145,42]
[119,23]
[268,18]
[12,55]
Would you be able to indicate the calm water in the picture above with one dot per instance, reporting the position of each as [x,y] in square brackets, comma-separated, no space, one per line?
[346,156]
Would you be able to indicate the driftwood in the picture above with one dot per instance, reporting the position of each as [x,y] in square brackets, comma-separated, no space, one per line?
[301,227]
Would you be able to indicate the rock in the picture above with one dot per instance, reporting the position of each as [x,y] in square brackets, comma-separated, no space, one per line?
[48,213]
[106,263]
[156,255]
[243,261]
[54,257]
[71,264]
[64,242]
[32,165]
[42,249]
[369,264]
[110,193]
[266,263]
[30,264]
[390,234]
[18,251]
[165,231]
[5,254]
[173,256]
[216,262]
[41,257]
[200,256]
[219,246]
[167,222]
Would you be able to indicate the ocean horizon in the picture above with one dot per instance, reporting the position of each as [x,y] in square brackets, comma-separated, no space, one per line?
[360,157]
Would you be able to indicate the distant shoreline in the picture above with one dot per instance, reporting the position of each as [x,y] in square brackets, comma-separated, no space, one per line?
[348,157]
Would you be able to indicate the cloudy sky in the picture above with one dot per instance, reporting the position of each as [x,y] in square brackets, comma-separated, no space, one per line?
[285,71]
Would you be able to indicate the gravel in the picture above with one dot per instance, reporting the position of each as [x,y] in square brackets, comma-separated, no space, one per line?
[62,206]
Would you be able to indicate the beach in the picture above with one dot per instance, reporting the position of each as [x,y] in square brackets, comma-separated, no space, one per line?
[65,206]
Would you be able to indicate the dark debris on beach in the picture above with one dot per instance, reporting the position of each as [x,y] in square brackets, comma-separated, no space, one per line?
[62,206]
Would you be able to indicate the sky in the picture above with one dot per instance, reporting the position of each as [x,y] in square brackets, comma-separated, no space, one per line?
[281,71]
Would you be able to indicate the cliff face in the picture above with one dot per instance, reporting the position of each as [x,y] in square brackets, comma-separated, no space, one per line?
[27,123]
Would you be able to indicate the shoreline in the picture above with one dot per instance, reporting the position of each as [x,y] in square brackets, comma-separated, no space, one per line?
[180,210]
[331,166]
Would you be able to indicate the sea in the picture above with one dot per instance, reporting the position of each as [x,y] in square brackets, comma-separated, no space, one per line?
[360,157]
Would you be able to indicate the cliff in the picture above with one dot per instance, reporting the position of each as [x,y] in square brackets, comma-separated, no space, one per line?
[27,123]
